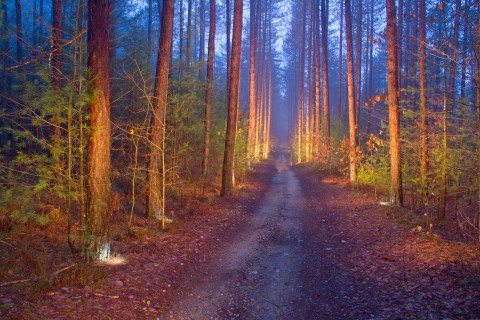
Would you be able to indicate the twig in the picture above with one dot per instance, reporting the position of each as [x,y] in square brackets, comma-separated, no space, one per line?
[64,269]
[105,295]
[28,280]
[14,282]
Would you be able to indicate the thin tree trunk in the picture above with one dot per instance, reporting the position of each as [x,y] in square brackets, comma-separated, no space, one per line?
[189,34]
[340,65]
[233,93]
[317,130]
[149,30]
[424,160]
[396,197]
[301,85]
[448,107]
[209,85]
[19,31]
[351,93]
[156,162]
[201,49]
[97,242]
[252,83]
[358,71]
[5,78]
[57,32]
[326,97]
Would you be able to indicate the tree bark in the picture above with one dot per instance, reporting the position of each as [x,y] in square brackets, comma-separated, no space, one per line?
[228,30]
[233,92]
[396,197]
[19,31]
[424,160]
[340,64]
[209,85]
[317,126]
[156,162]
[301,84]
[201,49]
[252,82]
[57,32]
[96,239]
[149,30]
[351,94]
[358,65]
[326,98]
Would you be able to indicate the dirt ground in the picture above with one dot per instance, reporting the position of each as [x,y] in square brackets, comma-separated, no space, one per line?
[295,244]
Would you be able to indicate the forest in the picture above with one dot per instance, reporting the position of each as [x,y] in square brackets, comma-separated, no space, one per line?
[140,137]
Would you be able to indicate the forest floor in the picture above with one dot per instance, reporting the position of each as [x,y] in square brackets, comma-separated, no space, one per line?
[294,244]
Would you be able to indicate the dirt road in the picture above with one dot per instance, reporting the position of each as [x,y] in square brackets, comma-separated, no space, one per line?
[315,250]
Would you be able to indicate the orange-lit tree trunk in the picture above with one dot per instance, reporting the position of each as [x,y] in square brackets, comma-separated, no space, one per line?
[156,161]
[233,92]
[301,94]
[340,65]
[326,98]
[96,239]
[351,94]
[209,85]
[317,126]
[396,197]
[252,82]
[424,161]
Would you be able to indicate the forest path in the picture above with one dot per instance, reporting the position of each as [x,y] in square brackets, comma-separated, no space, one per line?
[257,274]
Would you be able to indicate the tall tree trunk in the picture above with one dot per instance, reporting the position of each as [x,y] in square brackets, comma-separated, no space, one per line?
[228,30]
[19,31]
[301,84]
[233,93]
[201,49]
[340,65]
[400,41]
[448,106]
[424,160]
[209,85]
[326,97]
[396,197]
[57,32]
[149,30]
[189,34]
[96,239]
[252,82]
[156,162]
[317,130]
[351,93]
[5,77]
[358,71]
